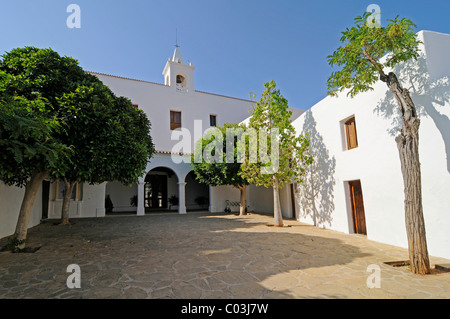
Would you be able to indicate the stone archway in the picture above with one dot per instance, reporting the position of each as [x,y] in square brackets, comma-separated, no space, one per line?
[164,161]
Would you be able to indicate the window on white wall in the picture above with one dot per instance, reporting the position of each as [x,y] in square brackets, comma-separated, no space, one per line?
[212,120]
[61,187]
[350,133]
[175,120]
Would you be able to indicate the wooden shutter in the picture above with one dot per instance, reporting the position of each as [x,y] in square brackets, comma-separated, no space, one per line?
[175,119]
[350,130]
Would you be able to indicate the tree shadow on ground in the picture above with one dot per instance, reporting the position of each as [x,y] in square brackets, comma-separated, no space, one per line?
[175,256]
[428,94]
[315,195]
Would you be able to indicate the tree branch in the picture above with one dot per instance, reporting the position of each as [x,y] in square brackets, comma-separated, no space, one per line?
[383,76]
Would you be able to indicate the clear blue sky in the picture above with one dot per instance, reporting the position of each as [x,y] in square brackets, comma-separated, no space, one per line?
[236,45]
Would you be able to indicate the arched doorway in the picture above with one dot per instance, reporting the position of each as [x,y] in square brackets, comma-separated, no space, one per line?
[161,190]
[197,194]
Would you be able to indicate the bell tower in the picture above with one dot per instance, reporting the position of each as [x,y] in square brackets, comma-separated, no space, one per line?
[177,74]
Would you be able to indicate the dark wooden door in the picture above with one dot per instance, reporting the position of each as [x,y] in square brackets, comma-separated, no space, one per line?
[156,191]
[45,198]
[356,197]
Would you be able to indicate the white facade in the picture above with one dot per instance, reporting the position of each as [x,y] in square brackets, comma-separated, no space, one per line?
[11,200]
[196,107]
[157,100]
[375,162]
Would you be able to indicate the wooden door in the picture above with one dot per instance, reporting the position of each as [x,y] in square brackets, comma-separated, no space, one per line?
[156,191]
[45,198]
[356,198]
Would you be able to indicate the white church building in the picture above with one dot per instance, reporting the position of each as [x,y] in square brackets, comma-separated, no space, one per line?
[355,185]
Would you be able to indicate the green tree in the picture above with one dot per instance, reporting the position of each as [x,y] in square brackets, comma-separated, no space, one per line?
[216,162]
[363,58]
[31,80]
[29,150]
[41,94]
[288,152]
[109,137]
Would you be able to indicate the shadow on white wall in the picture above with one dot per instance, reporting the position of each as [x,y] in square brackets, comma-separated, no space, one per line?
[315,195]
[428,94]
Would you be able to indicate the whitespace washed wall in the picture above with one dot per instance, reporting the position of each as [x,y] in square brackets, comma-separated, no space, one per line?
[158,100]
[10,201]
[91,203]
[375,162]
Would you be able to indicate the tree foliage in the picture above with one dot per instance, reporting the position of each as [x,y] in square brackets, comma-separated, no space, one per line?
[31,81]
[282,155]
[286,162]
[364,57]
[110,137]
[222,172]
[27,140]
[58,121]
[367,51]
[225,169]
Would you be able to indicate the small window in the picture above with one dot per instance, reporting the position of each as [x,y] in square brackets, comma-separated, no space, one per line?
[175,120]
[135,105]
[213,120]
[350,131]
[61,187]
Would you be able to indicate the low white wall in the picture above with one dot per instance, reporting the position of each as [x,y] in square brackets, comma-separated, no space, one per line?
[10,201]
[260,199]
[218,196]
[121,195]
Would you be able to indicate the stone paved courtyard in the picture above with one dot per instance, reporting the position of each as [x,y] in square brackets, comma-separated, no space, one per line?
[201,255]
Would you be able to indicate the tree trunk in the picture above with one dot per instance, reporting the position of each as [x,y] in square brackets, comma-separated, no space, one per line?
[314,209]
[242,203]
[31,190]
[278,218]
[313,200]
[408,147]
[66,202]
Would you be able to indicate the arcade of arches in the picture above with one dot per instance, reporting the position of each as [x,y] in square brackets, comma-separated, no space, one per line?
[160,191]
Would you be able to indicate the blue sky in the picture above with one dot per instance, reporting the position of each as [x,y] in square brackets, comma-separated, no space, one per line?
[235,45]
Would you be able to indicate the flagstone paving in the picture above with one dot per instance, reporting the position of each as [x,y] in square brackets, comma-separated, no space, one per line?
[201,255]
